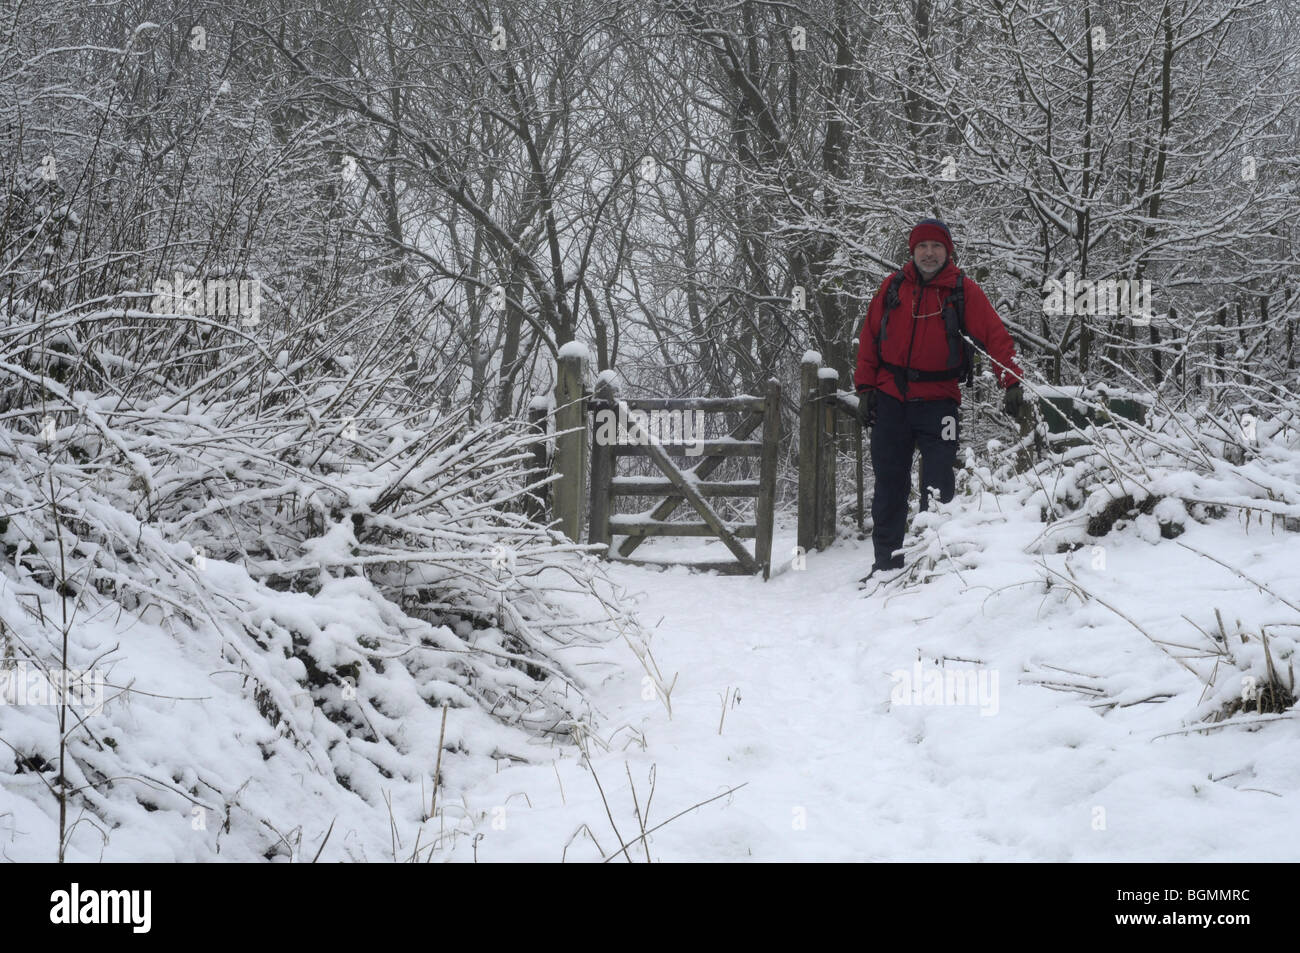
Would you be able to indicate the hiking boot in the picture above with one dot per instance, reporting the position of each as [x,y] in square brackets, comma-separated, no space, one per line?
[881,573]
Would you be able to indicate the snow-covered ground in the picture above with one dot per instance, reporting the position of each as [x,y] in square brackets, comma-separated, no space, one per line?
[834,759]
[1006,698]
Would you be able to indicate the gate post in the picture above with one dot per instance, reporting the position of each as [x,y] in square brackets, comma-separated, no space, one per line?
[535,503]
[570,448]
[857,443]
[808,432]
[602,469]
[767,477]
[827,384]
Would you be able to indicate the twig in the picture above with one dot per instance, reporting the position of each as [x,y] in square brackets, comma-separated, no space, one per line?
[637,808]
[675,816]
[1151,637]
[1234,569]
[1242,723]
[569,842]
[325,841]
[608,813]
[559,782]
[437,769]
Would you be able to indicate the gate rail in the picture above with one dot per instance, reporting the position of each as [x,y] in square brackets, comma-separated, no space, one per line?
[674,484]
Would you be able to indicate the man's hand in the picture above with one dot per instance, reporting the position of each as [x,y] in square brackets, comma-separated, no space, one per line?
[867,407]
[1014,401]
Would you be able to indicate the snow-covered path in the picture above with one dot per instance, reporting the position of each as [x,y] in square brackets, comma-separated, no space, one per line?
[833,769]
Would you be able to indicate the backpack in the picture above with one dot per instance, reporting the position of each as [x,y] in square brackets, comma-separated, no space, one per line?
[960,353]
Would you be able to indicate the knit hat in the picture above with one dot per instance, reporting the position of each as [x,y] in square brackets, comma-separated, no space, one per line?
[931,230]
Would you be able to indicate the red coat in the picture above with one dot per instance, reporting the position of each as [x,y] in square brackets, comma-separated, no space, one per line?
[924,337]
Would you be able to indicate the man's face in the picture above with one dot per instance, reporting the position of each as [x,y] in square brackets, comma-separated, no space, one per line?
[930,257]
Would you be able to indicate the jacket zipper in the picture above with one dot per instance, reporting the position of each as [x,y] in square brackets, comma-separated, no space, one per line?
[916,310]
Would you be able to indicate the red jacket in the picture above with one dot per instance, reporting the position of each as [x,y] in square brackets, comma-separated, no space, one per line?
[921,341]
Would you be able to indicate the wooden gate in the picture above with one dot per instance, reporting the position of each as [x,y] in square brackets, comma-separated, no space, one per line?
[674,483]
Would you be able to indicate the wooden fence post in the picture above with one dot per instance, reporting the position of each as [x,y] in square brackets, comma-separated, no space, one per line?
[767,477]
[857,441]
[602,468]
[827,385]
[857,448]
[570,448]
[535,504]
[808,432]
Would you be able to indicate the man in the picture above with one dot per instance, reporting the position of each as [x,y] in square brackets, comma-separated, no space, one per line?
[907,375]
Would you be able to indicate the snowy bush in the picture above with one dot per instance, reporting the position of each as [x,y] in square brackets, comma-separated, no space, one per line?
[240,476]
[1147,483]
[348,565]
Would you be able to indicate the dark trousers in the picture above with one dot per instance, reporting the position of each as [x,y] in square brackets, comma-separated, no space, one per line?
[902,426]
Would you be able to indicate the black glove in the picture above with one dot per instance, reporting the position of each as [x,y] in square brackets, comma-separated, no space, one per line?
[1014,401]
[867,407]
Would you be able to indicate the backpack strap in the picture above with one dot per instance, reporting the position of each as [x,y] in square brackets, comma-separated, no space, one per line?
[960,357]
[892,301]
